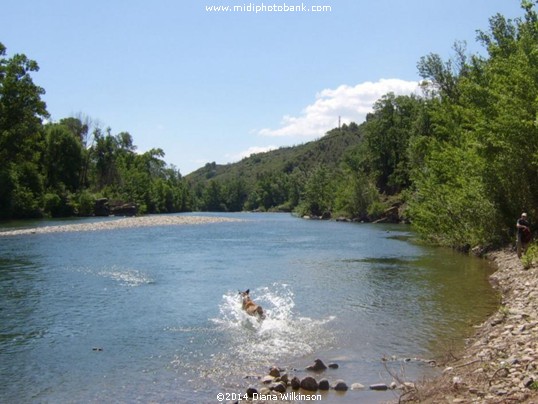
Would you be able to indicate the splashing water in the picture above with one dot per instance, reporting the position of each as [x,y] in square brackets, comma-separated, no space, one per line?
[243,345]
[281,334]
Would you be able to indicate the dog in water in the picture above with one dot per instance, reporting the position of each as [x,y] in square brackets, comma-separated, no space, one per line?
[250,307]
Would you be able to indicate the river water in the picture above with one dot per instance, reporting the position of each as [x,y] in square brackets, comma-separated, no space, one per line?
[153,315]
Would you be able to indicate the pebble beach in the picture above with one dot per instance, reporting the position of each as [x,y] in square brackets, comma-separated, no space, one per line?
[121,223]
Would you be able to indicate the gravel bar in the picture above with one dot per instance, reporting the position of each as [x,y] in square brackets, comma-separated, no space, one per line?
[123,223]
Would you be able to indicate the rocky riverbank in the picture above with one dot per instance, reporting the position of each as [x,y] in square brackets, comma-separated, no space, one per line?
[500,362]
[120,223]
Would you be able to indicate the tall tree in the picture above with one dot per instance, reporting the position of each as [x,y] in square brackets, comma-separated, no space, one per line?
[63,158]
[21,114]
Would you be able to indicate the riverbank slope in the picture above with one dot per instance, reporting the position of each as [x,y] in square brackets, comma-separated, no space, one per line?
[500,362]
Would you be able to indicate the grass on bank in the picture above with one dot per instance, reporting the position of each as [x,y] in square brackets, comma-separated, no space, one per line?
[530,257]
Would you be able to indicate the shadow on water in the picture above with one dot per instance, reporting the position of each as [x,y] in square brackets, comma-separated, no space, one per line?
[443,291]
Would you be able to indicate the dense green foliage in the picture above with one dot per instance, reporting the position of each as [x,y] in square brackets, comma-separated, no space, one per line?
[49,168]
[302,177]
[479,170]
[462,158]
[460,161]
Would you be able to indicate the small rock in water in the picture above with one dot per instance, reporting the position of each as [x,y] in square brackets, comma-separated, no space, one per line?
[284,378]
[295,383]
[357,386]
[251,392]
[317,366]
[324,384]
[309,383]
[275,372]
[340,385]
[333,365]
[279,387]
[268,379]
[379,387]
[265,391]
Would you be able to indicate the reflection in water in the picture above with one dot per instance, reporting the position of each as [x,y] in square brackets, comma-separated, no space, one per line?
[447,291]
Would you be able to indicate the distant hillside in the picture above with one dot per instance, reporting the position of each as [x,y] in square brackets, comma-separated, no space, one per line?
[275,180]
[326,151]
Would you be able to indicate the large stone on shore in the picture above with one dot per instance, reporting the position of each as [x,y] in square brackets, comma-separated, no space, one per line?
[126,209]
[318,366]
[527,382]
[101,207]
[309,384]
[340,385]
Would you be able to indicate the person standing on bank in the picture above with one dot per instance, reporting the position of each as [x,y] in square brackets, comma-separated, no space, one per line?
[523,234]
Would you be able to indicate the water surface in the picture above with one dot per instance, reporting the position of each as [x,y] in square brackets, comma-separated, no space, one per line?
[153,315]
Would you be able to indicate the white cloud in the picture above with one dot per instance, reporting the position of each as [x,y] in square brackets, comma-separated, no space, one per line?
[350,103]
[251,150]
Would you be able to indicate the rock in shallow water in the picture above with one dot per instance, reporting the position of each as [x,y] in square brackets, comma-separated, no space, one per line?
[309,384]
[318,366]
[379,387]
[324,384]
[340,385]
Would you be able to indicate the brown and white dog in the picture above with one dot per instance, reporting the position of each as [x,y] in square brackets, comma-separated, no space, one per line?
[250,307]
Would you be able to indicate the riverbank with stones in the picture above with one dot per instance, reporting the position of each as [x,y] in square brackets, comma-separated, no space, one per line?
[500,362]
[120,223]
[285,385]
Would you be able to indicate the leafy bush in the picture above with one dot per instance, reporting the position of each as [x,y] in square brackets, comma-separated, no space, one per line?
[83,203]
[52,204]
[531,256]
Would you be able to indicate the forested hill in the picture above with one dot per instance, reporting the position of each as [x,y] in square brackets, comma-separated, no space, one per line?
[273,179]
[327,151]
[356,171]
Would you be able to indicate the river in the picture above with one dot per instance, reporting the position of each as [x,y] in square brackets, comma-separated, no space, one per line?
[152,314]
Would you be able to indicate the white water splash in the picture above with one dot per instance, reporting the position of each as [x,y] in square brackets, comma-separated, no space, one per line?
[282,333]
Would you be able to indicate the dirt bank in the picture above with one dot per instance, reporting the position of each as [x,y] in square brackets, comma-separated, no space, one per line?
[500,362]
[120,223]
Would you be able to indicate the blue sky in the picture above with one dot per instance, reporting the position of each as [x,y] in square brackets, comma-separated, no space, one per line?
[214,86]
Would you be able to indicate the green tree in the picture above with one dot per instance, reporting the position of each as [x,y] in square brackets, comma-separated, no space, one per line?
[384,153]
[479,168]
[21,114]
[63,159]
[212,200]
[318,193]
